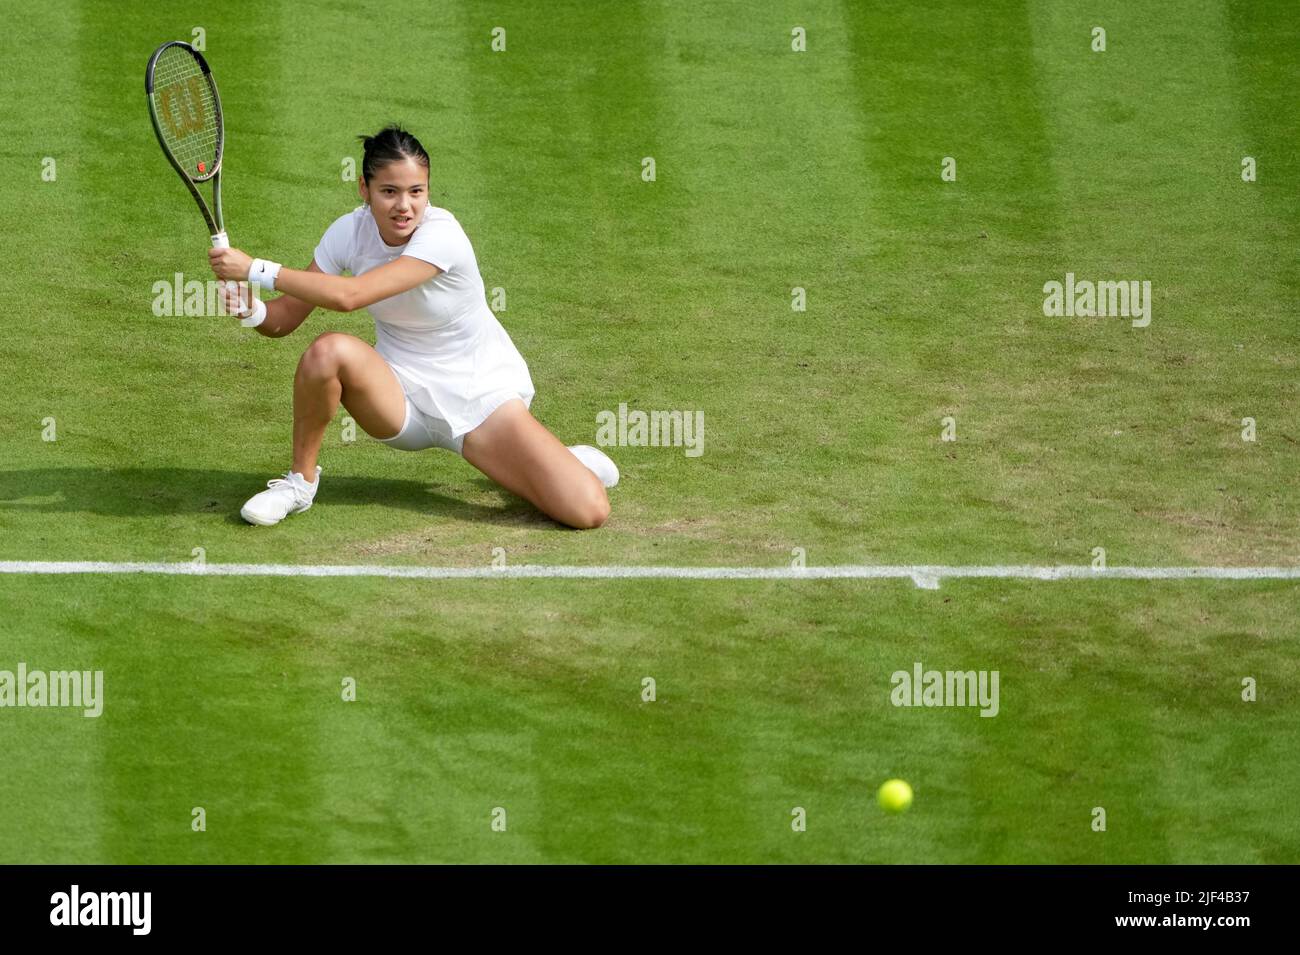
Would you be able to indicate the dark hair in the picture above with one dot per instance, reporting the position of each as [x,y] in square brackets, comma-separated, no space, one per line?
[391,144]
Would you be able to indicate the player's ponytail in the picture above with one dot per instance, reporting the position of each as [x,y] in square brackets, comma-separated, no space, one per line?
[391,144]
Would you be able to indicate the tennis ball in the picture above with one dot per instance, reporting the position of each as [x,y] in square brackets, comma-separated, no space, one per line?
[894,796]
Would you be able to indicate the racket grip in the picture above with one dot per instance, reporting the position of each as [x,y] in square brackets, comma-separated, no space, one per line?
[220,241]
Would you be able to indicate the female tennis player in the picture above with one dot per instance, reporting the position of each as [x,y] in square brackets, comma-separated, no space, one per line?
[443,372]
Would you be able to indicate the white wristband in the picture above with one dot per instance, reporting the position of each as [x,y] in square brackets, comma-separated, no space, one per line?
[263,273]
[256,316]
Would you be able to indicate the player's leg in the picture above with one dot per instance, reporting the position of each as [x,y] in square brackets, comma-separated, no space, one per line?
[514,449]
[342,368]
[335,368]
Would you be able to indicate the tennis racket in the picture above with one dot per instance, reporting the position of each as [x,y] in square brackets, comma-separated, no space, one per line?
[186,114]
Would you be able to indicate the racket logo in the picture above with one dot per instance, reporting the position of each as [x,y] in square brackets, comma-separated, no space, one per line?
[184,114]
[202,167]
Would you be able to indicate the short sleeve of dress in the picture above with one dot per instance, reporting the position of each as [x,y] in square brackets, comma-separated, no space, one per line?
[334,253]
[439,242]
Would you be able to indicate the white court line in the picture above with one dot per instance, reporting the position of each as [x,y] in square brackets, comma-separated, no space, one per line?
[927,576]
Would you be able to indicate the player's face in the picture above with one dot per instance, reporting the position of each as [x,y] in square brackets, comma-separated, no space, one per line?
[398,194]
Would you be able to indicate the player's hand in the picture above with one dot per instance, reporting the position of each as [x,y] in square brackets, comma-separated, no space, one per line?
[230,263]
[236,299]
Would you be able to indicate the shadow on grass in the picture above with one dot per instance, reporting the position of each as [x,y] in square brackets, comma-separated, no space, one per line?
[142,492]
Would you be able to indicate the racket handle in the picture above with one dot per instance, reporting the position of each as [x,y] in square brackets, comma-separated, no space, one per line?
[220,241]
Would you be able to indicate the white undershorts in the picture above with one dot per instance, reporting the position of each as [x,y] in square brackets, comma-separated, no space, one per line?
[422,430]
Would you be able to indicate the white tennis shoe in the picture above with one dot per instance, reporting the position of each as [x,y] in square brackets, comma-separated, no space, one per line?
[291,494]
[597,462]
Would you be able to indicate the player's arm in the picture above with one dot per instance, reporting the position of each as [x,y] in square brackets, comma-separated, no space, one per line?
[286,313]
[339,293]
[282,315]
[351,292]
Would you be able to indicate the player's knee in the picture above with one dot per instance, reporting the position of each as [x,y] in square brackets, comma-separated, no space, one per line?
[592,510]
[323,356]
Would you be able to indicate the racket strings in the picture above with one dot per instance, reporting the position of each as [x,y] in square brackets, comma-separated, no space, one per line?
[187,112]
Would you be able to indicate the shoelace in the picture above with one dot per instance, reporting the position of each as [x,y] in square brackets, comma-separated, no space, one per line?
[298,494]
[280,482]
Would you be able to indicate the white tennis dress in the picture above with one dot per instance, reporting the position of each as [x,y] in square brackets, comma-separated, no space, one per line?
[455,362]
